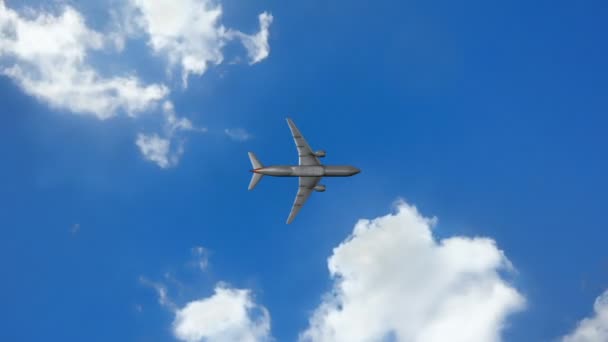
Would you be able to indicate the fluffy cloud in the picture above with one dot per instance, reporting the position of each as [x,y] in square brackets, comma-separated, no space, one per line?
[228,315]
[594,329]
[45,55]
[189,33]
[393,280]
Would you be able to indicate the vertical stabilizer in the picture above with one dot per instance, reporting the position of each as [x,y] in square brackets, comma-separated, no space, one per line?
[255,163]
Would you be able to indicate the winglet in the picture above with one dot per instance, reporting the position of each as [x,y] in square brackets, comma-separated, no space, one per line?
[292,126]
[292,216]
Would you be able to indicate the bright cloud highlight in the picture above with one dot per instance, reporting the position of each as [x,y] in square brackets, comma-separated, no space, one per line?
[46,55]
[190,34]
[394,281]
[228,315]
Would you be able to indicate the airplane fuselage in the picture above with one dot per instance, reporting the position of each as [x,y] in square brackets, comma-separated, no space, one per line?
[308,170]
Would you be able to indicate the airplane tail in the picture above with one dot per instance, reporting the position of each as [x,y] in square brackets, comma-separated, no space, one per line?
[255,163]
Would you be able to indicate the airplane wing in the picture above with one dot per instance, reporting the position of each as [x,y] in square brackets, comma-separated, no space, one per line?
[307,157]
[306,188]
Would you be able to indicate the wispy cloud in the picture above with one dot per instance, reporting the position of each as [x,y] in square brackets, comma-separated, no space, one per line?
[201,256]
[75,229]
[238,134]
[166,150]
[257,45]
[161,290]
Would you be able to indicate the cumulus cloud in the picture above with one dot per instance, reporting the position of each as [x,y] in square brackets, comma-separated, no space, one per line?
[189,33]
[595,328]
[237,134]
[46,55]
[394,281]
[227,315]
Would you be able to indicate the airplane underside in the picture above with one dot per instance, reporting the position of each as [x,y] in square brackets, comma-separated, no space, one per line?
[310,171]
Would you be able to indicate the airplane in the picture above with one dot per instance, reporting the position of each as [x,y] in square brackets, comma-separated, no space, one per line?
[309,170]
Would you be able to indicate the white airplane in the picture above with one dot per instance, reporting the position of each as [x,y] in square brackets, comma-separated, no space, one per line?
[309,170]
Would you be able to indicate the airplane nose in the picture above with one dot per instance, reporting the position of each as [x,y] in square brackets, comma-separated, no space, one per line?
[356,170]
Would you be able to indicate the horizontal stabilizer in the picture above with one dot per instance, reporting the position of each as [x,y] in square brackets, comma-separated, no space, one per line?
[255,163]
[255,179]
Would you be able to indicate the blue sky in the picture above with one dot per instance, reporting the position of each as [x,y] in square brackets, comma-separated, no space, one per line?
[490,117]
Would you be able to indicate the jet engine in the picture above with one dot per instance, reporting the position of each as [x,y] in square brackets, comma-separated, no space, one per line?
[320,153]
[320,188]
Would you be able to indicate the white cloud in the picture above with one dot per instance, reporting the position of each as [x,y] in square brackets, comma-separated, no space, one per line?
[228,315]
[167,150]
[237,134]
[161,290]
[46,54]
[593,329]
[393,280]
[257,45]
[202,257]
[189,33]
[173,122]
[157,150]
